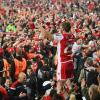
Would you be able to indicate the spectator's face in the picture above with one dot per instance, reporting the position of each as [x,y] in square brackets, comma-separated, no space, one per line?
[8,83]
[79,41]
[29,71]
[98,42]
[92,91]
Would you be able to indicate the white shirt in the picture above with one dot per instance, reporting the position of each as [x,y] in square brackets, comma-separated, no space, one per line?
[76,48]
[58,37]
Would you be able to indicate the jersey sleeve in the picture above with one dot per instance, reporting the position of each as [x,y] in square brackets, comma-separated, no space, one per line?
[58,37]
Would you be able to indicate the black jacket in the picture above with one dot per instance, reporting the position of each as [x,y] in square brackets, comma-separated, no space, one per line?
[15,91]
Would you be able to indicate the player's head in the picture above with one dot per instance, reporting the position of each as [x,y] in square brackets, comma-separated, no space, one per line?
[66,26]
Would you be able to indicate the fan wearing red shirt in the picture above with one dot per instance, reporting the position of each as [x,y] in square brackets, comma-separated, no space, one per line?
[65,60]
[4,93]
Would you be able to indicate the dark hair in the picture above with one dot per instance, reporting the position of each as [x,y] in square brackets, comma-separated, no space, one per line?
[92,78]
[53,92]
[57,97]
[89,61]
[66,26]
[27,48]
[96,96]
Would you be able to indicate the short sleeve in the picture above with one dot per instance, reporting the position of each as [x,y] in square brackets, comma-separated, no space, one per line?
[58,37]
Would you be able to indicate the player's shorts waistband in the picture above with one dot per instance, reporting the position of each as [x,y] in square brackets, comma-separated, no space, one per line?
[67,61]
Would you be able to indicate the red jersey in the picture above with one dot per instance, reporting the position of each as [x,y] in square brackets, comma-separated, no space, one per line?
[64,41]
[47,98]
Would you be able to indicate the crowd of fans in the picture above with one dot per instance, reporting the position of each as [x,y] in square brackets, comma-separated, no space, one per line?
[28,62]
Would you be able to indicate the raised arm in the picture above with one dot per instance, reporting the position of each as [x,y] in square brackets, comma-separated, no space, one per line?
[44,34]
